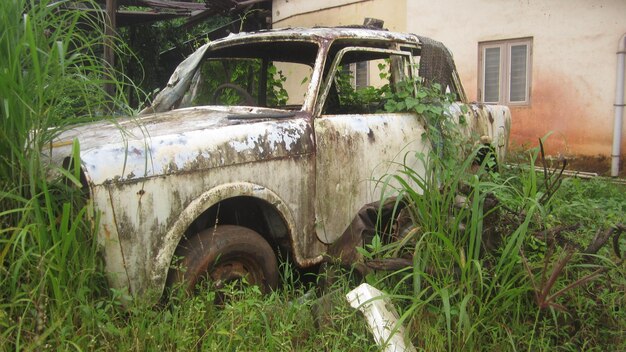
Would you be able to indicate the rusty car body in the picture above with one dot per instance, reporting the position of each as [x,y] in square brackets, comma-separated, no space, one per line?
[287,163]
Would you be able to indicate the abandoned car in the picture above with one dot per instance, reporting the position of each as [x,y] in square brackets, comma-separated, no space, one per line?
[261,144]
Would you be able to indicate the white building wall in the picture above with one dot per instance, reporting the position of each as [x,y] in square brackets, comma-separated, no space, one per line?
[573,61]
[309,13]
[573,55]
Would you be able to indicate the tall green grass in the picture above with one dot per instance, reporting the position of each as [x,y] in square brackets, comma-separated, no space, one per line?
[468,288]
[51,76]
[452,282]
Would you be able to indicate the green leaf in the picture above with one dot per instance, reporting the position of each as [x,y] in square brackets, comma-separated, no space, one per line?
[364,252]
[410,103]
[390,106]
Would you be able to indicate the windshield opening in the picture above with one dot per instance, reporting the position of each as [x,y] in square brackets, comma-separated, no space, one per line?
[273,75]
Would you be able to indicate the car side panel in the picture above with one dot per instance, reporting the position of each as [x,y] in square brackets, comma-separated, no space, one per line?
[355,153]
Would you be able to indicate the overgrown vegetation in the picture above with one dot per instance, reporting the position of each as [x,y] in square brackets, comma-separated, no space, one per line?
[50,77]
[429,101]
[158,47]
[495,261]
[498,261]
[522,260]
[490,262]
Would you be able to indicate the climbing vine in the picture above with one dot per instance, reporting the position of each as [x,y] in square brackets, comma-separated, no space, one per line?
[411,94]
[433,105]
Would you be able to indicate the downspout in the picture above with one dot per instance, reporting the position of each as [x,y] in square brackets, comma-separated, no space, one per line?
[619,107]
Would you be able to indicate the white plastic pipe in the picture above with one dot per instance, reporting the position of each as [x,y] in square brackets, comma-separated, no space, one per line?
[619,107]
[382,318]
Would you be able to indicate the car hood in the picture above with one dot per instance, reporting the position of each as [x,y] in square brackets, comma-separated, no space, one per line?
[183,140]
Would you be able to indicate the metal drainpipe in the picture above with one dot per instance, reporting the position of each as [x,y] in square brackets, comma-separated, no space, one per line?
[619,107]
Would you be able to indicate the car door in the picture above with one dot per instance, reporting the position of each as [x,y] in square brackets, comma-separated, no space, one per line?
[357,143]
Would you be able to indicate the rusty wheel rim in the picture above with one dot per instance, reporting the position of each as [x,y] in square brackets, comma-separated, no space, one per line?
[235,270]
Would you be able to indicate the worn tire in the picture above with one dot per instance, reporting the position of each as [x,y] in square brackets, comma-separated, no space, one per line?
[224,254]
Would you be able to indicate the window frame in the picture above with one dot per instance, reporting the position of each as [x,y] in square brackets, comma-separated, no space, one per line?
[334,65]
[504,79]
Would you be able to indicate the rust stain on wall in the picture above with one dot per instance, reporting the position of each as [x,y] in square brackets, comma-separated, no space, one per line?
[580,121]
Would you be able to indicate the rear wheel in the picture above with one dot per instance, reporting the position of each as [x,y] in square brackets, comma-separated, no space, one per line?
[225,254]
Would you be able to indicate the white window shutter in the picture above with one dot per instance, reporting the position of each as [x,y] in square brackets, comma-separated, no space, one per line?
[492,75]
[361,75]
[518,73]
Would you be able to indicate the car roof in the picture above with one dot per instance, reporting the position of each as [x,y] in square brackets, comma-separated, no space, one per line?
[320,33]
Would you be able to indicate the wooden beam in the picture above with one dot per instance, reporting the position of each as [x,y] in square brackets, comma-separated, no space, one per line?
[173,4]
[133,18]
[109,51]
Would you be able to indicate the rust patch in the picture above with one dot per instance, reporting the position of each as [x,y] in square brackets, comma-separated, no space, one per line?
[578,125]
[370,136]
[107,231]
[490,116]
[125,228]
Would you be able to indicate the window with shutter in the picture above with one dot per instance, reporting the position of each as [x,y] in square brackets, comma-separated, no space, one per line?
[504,71]
[361,76]
[358,72]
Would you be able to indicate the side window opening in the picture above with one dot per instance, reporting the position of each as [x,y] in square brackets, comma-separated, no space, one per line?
[363,79]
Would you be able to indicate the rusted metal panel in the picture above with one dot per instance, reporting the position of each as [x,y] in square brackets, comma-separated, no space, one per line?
[316,33]
[108,239]
[500,128]
[143,208]
[354,154]
[186,140]
[492,121]
[166,173]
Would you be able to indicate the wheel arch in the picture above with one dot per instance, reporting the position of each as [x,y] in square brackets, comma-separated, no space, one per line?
[203,204]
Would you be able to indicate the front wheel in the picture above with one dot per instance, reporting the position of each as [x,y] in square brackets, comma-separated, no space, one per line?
[225,254]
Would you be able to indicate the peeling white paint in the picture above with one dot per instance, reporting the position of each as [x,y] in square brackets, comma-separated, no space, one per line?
[249,143]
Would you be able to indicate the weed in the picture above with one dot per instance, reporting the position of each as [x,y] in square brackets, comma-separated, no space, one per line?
[50,77]
[469,284]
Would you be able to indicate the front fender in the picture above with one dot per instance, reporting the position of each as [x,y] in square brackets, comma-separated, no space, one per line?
[197,207]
